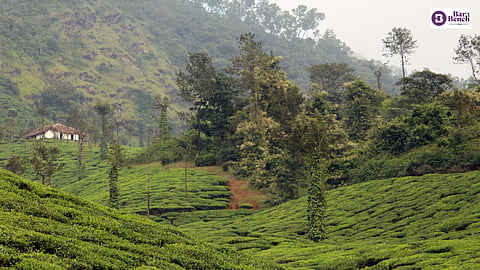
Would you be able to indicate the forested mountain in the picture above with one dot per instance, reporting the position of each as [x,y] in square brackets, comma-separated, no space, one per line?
[59,56]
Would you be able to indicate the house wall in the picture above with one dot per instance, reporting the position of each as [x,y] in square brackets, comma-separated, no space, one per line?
[49,135]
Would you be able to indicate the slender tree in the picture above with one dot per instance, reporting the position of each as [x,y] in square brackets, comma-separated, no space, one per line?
[103,109]
[115,158]
[162,103]
[399,42]
[196,84]
[78,120]
[316,201]
[248,67]
[148,194]
[468,52]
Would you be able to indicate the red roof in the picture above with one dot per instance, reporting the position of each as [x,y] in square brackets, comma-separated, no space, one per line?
[56,127]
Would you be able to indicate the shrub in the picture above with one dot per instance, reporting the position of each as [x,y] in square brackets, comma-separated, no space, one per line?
[205,160]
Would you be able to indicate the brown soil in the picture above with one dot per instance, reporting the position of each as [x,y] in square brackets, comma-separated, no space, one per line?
[241,192]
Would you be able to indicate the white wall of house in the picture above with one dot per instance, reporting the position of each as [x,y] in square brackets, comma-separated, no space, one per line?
[50,134]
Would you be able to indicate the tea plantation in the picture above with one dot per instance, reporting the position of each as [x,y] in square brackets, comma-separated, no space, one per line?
[424,222]
[427,222]
[167,192]
[44,228]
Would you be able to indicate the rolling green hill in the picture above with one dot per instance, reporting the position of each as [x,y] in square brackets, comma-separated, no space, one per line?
[204,190]
[44,228]
[126,52]
[427,222]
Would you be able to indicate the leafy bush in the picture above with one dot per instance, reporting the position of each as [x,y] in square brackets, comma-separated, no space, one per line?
[205,160]
[165,151]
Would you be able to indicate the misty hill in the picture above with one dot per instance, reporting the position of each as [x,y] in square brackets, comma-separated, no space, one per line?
[44,228]
[65,53]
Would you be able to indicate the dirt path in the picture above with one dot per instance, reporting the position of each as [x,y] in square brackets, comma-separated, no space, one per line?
[241,193]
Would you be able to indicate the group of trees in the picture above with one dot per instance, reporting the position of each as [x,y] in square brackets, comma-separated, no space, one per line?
[262,127]
[301,22]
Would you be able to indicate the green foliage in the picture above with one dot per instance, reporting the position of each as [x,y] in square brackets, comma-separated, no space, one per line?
[424,222]
[196,86]
[316,201]
[205,160]
[16,164]
[331,77]
[44,161]
[424,86]
[44,228]
[400,42]
[163,150]
[361,103]
[115,157]
[104,110]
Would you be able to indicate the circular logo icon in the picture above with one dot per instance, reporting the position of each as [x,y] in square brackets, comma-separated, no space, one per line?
[439,18]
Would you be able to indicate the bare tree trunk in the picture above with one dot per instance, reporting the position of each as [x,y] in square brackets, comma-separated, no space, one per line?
[186,194]
[148,196]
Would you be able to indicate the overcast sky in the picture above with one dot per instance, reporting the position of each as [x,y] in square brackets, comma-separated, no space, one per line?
[363,24]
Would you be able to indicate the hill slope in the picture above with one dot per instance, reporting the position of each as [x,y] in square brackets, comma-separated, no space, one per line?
[204,190]
[127,52]
[427,222]
[43,228]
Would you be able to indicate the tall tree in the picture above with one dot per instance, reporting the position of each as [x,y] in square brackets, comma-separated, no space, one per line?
[331,77]
[361,102]
[306,20]
[115,158]
[141,132]
[316,135]
[248,67]
[468,52]
[77,119]
[196,84]
[264,123]
[162,103]
[103,109]
[399,41]
[316,201]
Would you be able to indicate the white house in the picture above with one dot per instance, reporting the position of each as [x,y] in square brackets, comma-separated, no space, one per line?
[57,131]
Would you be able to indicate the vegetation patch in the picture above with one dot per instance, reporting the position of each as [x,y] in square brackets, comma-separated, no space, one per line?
[382,224]
[43,228]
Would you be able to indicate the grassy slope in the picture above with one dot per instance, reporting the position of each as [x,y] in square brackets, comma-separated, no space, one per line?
[428,222]
[44,228]
[205,190]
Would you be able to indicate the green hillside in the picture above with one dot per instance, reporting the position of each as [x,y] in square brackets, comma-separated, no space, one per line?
[204,190]
[44,228]
[61,53]
[427,222]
